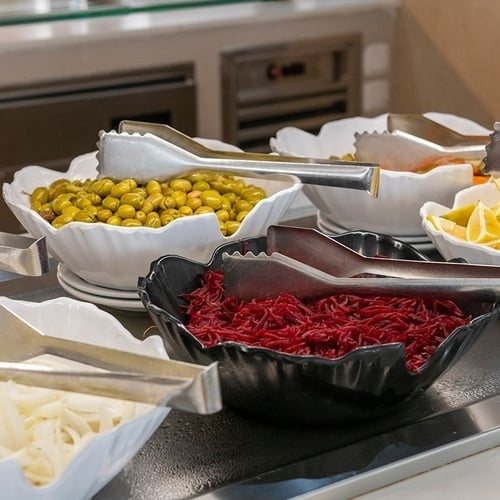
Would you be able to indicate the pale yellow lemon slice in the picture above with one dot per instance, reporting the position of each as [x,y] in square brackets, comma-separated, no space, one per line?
[483,225]
[460,215]
[447,226]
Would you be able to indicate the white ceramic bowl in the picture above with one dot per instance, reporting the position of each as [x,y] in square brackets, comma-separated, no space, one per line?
[396,209]
[451,247]
[113,256]
[105,455]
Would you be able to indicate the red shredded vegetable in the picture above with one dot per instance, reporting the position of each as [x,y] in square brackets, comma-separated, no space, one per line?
[328,327]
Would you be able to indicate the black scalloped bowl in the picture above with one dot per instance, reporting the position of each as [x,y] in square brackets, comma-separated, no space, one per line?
[363,384]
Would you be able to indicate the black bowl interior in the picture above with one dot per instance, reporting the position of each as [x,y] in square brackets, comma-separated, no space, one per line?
[361,385]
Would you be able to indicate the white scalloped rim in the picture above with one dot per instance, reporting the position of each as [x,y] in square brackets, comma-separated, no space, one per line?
[107,454]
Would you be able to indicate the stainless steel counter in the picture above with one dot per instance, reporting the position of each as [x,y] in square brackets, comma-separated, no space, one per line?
[231,455]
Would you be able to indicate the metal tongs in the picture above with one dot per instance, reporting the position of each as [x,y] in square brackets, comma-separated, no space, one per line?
[492,160]
[120,375]
[308,264]
[145,151]
[412,141]
[23,255]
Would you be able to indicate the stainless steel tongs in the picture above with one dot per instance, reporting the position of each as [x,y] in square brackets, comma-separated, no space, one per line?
[146,151]
[306,263]
[412,141]
[120,374]
[23,255]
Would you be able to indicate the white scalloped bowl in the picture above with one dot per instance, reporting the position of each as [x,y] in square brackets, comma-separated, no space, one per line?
[105,455]
[113,256]
[396,209]
[451,247]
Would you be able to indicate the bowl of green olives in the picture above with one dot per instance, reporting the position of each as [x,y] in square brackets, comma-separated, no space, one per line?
[108,231]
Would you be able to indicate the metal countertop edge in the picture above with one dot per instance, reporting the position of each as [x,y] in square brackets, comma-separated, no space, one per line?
[438,440]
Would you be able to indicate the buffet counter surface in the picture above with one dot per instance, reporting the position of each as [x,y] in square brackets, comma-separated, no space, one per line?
[232,455]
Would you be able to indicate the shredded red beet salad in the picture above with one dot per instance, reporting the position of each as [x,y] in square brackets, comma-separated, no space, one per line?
[328,327]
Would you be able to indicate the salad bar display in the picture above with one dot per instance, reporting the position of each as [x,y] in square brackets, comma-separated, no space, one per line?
[302,360]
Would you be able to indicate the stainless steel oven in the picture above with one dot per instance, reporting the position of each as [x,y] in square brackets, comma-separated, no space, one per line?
[51,124]
[304,84]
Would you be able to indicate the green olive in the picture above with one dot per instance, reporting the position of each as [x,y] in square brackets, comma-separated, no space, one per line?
[61,220]
[185,210]
[118,190]
[111,203]
[152,187]
[194,203]
[134,199]
[211,198]
[114,220]
[241,215]
[153,220]
[84,216]
[103,187]
[104,214]
[222,215]
[242,206]
[126,211]
[131,222]
[204,210]
[232,226]
[180,198]
[140,216]
[38,197]
[201,186]
[181,185]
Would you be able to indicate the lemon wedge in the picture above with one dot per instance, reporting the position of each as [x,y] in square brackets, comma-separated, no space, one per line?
[460,215]
[483,225]
[447,226]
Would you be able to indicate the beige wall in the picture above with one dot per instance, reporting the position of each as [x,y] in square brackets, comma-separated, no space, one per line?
[447,58]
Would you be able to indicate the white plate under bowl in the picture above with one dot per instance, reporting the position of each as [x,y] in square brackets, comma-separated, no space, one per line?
[73,280]
[112,302]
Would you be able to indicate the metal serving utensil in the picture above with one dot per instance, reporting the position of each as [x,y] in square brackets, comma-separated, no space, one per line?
[263,276]
[23,255]
[145,151]
[412,141]
[135,377]
[317,250]
[491,161]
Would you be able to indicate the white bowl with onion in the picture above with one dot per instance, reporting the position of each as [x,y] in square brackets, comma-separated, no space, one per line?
[105,433]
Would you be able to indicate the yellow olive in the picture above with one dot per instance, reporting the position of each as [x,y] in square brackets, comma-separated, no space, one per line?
[126,211]
[70,210]
[111,203]
[140,216]
[223,229]
[232,197]
[204,210]
[84,216]
[83,202]
[118,190]
[201,186]
[153,186]
[232,226]
[153,220]
[242,206]
[94,198]
[131,222]
[168,201]
[225,203]
[61,220]
[181,185]
[185,210]
[211,198]
[114,220]
[60,203]
[103,187]
[222,215]
[134,199]
[180,198]
[194,203]
[38,197]
[155,199]
[166,218]
[104,214]
[241,215]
